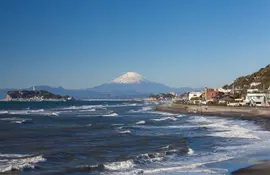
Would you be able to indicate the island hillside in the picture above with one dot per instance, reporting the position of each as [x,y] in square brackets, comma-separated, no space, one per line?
[31,95]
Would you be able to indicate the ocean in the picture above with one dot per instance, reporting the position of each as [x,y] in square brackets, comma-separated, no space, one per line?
[123,137]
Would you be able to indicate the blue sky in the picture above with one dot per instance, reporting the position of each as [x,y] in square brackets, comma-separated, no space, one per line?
[80,44]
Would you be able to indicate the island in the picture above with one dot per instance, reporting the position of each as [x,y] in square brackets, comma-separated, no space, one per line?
[35,95]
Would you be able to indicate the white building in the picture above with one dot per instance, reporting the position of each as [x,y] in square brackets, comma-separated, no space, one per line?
[224,90]
[257,99]
[252,90]
[194,94]
[255,84]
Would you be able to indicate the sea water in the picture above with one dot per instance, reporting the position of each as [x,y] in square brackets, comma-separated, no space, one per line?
[123,137]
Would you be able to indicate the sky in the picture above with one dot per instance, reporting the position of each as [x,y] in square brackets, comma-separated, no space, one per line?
[84,43]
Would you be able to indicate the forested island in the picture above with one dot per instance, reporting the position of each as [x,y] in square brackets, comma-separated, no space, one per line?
[35,95]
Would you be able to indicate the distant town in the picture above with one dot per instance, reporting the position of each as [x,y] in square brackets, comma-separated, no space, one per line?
[250,90]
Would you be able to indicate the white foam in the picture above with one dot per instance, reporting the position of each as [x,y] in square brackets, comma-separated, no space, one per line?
[111,115]
[142,110]
[190,151]
[36,111]
[124,132]
[3,112]
[18,162]
[18,112]
[195,166]
[122,165]
[161,113]
[224,127]
[165,118]
[117,124]
[140,122]
[88,110]
[19,122]
[85,107]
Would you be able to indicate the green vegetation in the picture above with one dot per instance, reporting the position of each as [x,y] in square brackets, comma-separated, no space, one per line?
[162,96]
[262,76]
[27,94]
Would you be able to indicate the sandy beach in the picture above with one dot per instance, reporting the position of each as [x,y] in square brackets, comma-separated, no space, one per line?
[244,112]
[260,115]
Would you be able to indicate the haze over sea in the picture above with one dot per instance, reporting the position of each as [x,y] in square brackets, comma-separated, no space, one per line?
[123,137]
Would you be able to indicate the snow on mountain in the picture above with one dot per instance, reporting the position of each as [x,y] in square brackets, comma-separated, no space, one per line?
[130,78]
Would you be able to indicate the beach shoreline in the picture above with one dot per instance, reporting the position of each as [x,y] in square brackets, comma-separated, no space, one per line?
[260,116]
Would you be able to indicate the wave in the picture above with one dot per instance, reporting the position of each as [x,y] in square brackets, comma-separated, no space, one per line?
[190,151]
[87,110]
[122,165]
[83,107]
[19,122]
[3,112]
[110,115]
[16,120]
[143,109]
[15,162]
[165,118]
[36,111]
[162,113]
[224,127]
[140,122]
[124,132]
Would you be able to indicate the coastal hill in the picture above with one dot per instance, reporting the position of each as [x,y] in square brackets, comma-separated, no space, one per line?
[31,95]
[259,79]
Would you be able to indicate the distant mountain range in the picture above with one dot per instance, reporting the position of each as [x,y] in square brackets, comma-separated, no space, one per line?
[259,79]
[129,85]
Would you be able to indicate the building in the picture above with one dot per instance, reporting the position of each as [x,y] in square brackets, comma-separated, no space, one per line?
[224,90]
[252,90]
[257,99]
[209,94]
[254,84]
[194,95]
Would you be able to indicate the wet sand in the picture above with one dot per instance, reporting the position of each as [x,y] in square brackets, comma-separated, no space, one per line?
[261,169]
[261,116]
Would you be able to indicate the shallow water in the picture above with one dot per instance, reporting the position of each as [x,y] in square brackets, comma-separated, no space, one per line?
[123,137]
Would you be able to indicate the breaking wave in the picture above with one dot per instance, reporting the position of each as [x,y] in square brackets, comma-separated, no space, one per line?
[140,122]
[15,162]
[110,115]
[165,118]
[124,132]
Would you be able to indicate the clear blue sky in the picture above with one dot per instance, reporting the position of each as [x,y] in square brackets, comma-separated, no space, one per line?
[80,44]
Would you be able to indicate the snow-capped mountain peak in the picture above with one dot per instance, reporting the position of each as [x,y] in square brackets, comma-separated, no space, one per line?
[130,78]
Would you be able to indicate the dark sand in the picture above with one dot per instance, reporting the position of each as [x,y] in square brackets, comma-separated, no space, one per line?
[261,169]
[261,116]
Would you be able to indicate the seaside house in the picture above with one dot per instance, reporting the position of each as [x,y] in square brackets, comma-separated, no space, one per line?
[194,95]
[226,91]
[209,94]
[257,99]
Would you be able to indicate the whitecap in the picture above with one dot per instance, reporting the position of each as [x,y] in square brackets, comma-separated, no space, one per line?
[19,162]
[124,132]
[3,112]
[36,111]
[190,151]
[140,122]
[165,118]
[122,165]
[19,122]
[110,115]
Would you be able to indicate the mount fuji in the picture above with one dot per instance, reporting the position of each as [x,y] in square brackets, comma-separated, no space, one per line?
[132,83]
[129,85]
